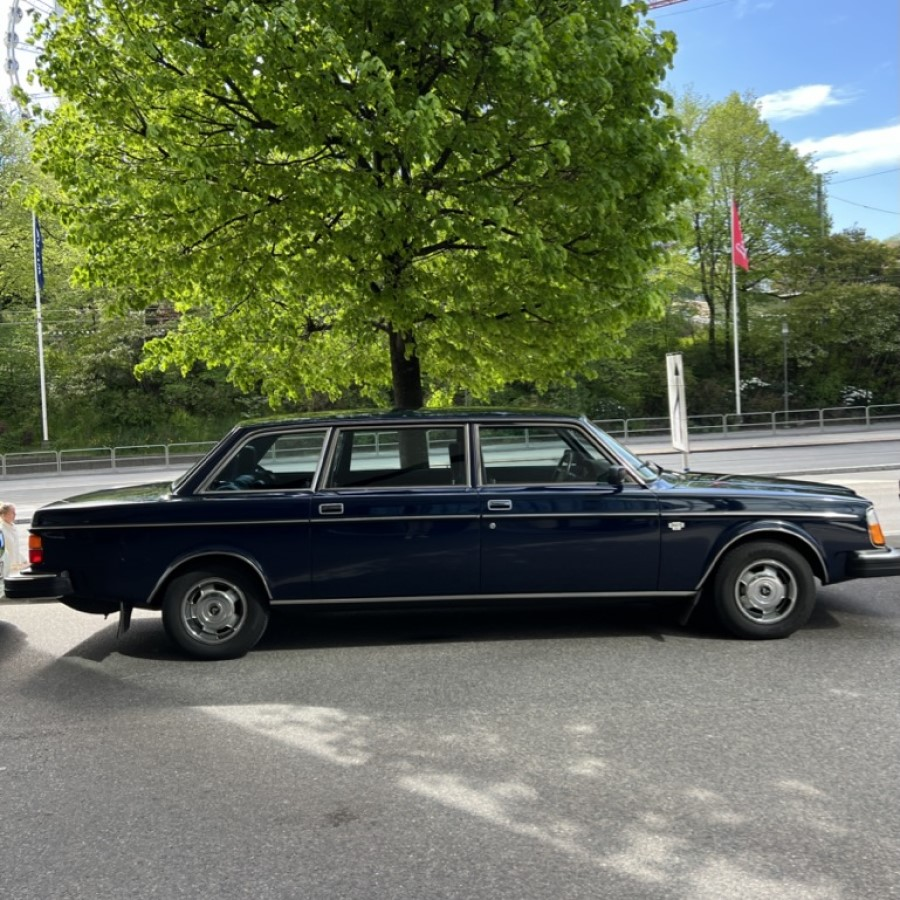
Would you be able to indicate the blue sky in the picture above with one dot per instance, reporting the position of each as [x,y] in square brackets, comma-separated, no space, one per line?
[826,75]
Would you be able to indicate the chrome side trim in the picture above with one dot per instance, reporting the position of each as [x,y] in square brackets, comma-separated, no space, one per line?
[762,514]
[600,514]
[539,595]
[211,494]
[495,514]
[256,522]
[122,525]
[435,516]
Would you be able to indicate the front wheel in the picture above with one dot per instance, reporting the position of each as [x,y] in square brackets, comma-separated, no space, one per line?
[214,613]
[764,590]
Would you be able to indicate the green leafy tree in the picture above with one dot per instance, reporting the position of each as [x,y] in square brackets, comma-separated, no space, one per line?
[20,399]
[16,259]
[776,189]
[93,396]
[98,401]
[850,257]
[356,193]
[840,303]
[844,315]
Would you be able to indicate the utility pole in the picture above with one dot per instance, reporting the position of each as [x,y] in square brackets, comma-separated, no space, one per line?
[820,202]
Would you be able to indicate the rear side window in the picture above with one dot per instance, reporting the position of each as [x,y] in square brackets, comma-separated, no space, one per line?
[398,458]
[286,461]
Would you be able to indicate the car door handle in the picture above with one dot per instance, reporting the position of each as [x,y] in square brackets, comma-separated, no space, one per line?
[331,509]
[499,505]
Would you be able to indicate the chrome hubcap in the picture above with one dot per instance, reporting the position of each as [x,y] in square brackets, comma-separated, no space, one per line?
[213,611]
[766,591]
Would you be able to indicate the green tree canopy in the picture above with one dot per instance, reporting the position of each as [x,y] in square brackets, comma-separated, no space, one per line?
[776,190]
[16,173]
[843,307]
[20,396]
[340,192]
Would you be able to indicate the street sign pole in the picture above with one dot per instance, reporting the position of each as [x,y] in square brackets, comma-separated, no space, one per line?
[678,407]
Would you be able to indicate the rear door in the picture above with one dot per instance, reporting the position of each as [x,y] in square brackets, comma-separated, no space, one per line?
[396,517]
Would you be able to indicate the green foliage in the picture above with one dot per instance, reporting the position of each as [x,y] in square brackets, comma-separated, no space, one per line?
[288,202]
[93,396]
[846,344]
[326,191]
[20,420]
[16,262]
[776,190]
[840,302]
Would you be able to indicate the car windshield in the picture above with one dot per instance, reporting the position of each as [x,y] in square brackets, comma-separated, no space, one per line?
[183,477]
[648,471]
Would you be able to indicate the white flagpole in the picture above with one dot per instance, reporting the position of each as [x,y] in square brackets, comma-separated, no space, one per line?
[734,316]
[40,328]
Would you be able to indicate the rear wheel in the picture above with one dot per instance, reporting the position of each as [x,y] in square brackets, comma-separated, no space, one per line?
[214,612]
[764,590]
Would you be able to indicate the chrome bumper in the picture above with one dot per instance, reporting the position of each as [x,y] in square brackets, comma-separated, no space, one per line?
[874,563]
[27,585]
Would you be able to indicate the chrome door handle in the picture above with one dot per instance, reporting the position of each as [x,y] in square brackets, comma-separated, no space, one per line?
[331,509]
[499,505]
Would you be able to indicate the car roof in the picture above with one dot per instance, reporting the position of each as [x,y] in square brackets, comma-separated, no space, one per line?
[461,414]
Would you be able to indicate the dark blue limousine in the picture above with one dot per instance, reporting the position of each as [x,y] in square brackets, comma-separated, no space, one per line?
[447,505]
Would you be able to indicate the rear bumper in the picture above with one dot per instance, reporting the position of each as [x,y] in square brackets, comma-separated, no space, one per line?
[874,563]
[27,585]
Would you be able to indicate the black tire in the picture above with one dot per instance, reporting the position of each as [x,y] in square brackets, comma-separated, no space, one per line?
[764,590]
[214,612]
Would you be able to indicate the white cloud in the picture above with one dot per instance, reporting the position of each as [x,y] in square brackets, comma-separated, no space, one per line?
[799,101]
[748,7]
[876,147]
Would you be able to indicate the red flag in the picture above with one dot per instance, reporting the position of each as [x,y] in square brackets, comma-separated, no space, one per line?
[738,250]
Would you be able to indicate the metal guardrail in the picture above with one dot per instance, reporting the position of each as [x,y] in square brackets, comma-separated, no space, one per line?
[182,455]
[88,459]
[777,422]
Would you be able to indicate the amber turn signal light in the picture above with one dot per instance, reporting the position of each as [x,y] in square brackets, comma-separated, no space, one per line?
[876,535]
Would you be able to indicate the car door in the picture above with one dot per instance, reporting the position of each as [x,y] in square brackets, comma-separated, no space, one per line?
[553,525]
[396,517]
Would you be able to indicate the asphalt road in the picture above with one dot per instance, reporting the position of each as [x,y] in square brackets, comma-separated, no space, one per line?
[567,753]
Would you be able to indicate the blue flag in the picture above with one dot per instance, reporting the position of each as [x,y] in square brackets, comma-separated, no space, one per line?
[38,254]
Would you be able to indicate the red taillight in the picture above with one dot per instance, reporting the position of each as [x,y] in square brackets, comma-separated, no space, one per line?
[35,550]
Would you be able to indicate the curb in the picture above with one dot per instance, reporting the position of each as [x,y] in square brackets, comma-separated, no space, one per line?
[842,470]
[725,445]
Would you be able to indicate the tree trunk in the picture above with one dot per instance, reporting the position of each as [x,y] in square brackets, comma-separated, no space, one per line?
[711,333]
[406,374]
[707,289]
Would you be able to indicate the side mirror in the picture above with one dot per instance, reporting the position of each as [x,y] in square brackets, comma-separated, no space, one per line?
[616,475]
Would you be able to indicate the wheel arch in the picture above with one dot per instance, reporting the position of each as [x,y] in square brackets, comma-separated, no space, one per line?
[228,558]
[781,532]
